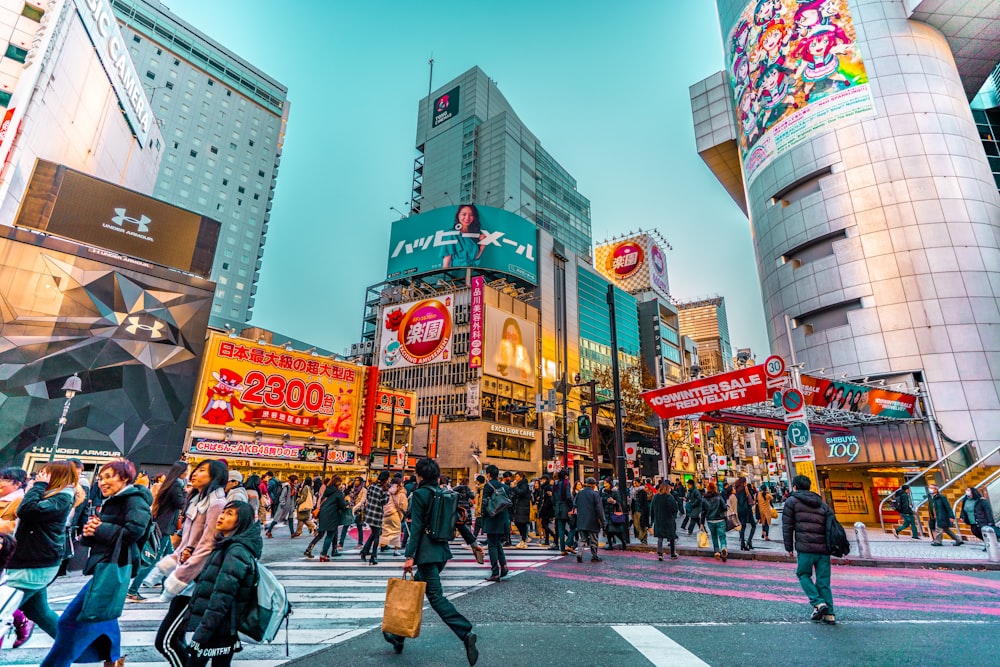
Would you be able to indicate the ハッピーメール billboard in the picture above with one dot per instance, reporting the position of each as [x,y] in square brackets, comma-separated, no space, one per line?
[510,346]
[464,236]
[416,333]
[795,69]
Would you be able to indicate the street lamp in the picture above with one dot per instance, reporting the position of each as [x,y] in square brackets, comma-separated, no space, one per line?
[72,387]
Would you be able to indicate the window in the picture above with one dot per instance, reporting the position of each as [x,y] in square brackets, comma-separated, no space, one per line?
[170,85]
[4,98]
[260,172]
[176,62]
[159,52]
[135,38]
[194,153]
[33,13]
[225,265]
[225,181]
[150,75]
[211,83]
[241,189]
[16,53]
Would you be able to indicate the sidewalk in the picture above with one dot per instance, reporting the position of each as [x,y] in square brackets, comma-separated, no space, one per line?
[886,550]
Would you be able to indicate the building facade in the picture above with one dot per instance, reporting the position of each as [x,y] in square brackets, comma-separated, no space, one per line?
[474,149]
[875,223]
[705,322]
[223,122]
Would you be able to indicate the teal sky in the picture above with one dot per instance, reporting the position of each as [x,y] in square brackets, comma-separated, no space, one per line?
[603,85]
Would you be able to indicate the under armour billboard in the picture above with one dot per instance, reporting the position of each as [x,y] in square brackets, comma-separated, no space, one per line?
[73,205]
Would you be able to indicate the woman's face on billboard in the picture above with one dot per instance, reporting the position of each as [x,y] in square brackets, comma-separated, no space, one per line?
[465,217]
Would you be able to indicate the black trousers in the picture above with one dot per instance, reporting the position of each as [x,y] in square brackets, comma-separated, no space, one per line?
[371,545]
[430,573]
[498,559]
[170,635]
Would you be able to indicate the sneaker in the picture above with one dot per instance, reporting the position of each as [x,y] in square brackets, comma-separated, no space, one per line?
[659,557]
[596,559]
[135,597]
[936,544]
[717,555]
[725,555]
[830,619]
[579,558]
[819,611]
[958,544]
[521,545]
[673,556]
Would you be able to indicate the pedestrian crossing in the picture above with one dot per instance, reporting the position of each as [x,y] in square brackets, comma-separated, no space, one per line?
[331,603]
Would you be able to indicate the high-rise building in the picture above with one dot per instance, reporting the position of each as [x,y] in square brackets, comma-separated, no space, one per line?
[223,123]
[845,132]
[474,149]
[705,322]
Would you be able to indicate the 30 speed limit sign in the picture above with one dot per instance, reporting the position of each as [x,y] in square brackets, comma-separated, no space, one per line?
[774,366]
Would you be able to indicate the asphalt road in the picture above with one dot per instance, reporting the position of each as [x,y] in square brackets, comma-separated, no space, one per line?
[632,609]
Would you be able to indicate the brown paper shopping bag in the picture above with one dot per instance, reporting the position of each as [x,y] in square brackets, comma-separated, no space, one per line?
[404,606]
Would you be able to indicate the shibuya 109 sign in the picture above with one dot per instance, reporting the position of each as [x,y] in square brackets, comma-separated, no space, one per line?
[726,390]
[416,333]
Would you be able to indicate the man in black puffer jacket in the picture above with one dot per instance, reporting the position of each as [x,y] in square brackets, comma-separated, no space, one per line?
[803,525]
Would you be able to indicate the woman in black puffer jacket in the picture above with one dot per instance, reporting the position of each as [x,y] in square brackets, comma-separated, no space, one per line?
[224,590]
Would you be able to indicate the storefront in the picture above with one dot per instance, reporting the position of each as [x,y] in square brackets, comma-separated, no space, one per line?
[252,457]
[858,470]
[465,448]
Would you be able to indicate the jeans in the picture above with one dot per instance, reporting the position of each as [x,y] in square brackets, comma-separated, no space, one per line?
[371,545]
[818,592]
[430,573]
[35,605]
[170,635]
[166,548]
[743,529]
[717,529]
[908,520]
[588,538]
[562,534]
[291,524]
[498,559]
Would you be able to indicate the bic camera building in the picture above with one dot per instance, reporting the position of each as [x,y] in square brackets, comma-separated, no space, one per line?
[843,130]
[479,333]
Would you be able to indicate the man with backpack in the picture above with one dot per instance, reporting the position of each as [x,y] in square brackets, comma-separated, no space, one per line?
[428,551]
[804,528]
[901,503]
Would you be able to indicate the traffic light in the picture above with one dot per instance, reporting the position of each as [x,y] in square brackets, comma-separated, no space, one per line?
[583,427]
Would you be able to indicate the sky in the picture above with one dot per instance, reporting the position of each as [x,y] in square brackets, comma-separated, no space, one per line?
[604,87]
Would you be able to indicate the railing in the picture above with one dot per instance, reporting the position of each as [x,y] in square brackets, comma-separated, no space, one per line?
[951,482]
[989,479]
[919,475]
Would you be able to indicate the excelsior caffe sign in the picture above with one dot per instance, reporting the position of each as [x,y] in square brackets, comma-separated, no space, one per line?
[726,390]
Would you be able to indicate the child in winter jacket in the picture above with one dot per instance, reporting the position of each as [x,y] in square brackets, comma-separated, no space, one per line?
[224,590]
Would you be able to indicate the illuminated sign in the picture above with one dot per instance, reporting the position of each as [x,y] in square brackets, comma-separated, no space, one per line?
[416,333]
[823,393]
[463,236]
[510,344]
[634,264]
[445,107]
[268,450]
[102,27]
[510,430]
[476,323]
[726,390]
[626,259]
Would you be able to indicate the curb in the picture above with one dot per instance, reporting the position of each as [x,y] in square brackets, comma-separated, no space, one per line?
[904,563]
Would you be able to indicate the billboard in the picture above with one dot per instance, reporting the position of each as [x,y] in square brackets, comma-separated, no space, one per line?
[795,70]
[461,236]
[718,392]
[634,264]
[416,333]
[445,107]
[246,384]
[823,393]
[510,347]
[73,205]
[476,322]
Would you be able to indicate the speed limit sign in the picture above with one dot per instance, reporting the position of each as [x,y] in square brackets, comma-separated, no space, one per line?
[774,366]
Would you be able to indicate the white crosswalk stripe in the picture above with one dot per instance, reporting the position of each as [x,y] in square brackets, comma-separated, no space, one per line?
[331,603]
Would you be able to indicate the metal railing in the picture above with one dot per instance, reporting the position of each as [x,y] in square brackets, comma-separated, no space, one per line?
[919,475]
[951,482]
[992,477]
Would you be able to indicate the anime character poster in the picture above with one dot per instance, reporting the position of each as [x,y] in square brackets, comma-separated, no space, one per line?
[796,69]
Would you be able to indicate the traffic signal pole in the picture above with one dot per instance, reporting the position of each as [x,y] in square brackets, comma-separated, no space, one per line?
[617,389]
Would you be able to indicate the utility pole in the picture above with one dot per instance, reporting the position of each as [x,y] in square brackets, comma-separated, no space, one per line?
[617,389]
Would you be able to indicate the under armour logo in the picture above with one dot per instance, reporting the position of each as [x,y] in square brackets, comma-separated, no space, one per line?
[153,329]
[141,224]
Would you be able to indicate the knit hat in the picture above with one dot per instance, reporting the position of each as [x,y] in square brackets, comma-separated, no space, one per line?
[235,476]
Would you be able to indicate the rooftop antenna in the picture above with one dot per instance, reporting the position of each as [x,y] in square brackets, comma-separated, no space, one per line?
[430,78]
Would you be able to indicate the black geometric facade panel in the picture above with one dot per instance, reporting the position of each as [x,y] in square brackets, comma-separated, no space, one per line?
[134,336]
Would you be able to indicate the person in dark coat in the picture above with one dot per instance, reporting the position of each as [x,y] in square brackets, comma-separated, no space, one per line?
[803,527]
[693,508]
[589,519]
[495,527]
[562,501]
[941,515]
[745,502]
[521,509]
[224,590]
[976,512]
[903,504]
[330,512]
[639,502]
[613,505]
[546,513]
[166,506]
[430,556]
[120,528]
[663,512]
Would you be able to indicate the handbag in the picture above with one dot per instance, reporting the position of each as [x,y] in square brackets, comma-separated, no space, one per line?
[404,606]
[732,522]
[702,539]
[619,518]
[498,502]
[105,596]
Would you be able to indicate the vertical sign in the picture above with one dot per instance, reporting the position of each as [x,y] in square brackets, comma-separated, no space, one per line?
[476,323]
[432,437]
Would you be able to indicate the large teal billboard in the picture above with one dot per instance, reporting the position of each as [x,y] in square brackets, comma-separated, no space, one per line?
[461,236]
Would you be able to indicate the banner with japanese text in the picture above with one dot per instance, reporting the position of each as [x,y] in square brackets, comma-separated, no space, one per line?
[823,393]
[726,390]
[416,333]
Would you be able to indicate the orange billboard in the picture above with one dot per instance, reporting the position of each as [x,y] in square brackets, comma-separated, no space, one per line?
[251,386]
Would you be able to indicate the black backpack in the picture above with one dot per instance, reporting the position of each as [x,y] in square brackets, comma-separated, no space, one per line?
[836,537]
[443,515]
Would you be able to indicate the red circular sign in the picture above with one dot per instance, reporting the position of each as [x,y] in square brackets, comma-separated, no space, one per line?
[626,259]
[424,331]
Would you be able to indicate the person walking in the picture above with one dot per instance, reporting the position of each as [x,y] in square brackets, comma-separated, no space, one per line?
[616,526]
[235,489]
[252,488]
[12,483]
[305,503]
[496,527]
[663,512]
[693,508]
[224,590]
[113,537]
[941,515]
[356,498]
[283,506]
[903,504]
[803,527]
[41,540]
[716,509]
[393,518]
[639,501]
[546,512]
[765,512]
[376,498]
[976,512]
[521,509]
[429,557]
[477,505]
[590,519]
[562,501]
[745,503]
[331,509]
[167,506]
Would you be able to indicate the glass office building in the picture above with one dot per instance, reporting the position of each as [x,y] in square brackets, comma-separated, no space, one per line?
[595,325]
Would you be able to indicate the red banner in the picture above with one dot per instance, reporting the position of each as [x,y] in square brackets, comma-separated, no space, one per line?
[726,390]
[368,429]
[278,419]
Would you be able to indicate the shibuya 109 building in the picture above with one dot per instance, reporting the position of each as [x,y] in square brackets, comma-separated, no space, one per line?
[847,132]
